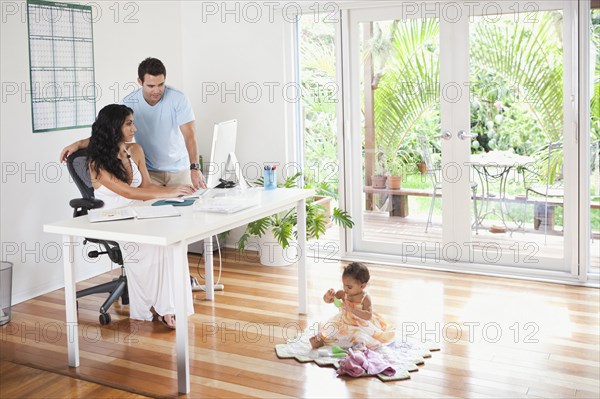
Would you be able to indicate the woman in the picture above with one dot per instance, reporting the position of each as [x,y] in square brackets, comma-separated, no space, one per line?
[120,177]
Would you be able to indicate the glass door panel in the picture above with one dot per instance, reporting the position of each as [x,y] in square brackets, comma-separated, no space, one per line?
[397,88]
[480,97]
[517,68]
[318,120]
[595,139]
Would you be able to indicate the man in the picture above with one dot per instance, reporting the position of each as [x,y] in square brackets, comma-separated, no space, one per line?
[166,129]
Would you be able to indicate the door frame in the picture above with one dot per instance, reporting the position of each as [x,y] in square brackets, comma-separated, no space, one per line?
[352,156]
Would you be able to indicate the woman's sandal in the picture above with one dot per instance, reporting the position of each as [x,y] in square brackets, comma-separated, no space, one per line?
[165,320]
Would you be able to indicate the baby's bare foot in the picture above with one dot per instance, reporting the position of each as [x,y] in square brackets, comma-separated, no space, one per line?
[316,342]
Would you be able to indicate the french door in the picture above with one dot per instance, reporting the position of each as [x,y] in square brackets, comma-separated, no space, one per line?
[451,83]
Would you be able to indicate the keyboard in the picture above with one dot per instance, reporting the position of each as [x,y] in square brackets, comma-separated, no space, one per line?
[201,192]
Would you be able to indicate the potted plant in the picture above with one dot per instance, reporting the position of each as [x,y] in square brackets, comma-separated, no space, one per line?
[325,203]
[421,165]
[394,179]
[280,228]
[324,196]
[397,162]
[379,177]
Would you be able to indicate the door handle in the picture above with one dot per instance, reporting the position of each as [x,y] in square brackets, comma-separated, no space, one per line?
[465,136]
[446,135]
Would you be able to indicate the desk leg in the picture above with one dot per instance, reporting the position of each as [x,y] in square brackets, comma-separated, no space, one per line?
[71,301]
[181,344]
[208,268]
[302,298]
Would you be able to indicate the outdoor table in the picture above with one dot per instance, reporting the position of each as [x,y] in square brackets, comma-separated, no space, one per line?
[494,167]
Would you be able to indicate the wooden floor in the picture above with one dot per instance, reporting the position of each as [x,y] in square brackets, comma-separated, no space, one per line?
[498,337]
[25,382]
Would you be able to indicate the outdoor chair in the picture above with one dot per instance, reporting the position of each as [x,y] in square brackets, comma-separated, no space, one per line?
[434,175]
[546,182]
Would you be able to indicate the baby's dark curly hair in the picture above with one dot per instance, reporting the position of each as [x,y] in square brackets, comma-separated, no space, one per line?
[357,271]
[103,149]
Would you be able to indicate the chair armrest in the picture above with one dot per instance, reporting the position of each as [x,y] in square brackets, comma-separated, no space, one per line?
[86,203]
[530,175]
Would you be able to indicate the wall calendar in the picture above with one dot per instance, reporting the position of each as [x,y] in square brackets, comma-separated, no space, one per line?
[61,60]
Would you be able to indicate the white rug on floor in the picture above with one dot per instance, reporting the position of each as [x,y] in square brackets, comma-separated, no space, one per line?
[404,356]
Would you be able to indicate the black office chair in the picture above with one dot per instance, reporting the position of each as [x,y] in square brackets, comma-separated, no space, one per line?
[77,164]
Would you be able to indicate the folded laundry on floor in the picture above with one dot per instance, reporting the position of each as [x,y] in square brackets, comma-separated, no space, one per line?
[361,362]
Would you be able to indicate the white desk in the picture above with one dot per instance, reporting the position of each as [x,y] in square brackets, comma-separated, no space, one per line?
[177,232]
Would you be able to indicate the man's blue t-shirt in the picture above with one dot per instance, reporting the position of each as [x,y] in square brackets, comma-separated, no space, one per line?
[158,129]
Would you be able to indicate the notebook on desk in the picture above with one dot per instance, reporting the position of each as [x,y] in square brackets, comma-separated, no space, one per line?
[107,215]
[130,212]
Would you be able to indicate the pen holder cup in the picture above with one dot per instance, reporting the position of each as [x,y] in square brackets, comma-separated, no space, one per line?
[270,179]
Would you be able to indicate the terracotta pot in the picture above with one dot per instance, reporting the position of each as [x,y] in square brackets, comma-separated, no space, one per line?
[394,182]
[422,166]
[378,181]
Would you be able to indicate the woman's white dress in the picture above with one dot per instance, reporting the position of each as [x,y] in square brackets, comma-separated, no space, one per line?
[149,268]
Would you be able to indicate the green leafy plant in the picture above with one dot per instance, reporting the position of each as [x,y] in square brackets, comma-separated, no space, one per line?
[406,95]
[283,224]
[319,105]
[380,163]
[401,162]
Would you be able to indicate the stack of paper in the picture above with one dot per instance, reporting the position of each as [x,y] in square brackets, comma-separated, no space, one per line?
[149,212]
[101,215]
[130,212]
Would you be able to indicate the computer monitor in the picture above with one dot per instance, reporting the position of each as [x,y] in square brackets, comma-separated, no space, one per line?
[223,163]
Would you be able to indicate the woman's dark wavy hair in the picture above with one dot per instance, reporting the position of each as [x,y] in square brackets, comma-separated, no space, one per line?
[103,148]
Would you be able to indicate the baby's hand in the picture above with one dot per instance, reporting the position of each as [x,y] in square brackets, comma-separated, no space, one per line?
[329,295]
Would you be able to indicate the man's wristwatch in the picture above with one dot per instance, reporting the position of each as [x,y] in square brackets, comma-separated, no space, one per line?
[195,166]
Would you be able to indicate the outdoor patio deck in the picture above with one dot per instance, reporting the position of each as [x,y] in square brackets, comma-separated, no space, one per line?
[381,227]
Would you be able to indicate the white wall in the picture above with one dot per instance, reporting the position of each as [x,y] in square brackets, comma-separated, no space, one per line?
[35,188]
[233,68]
[203,52]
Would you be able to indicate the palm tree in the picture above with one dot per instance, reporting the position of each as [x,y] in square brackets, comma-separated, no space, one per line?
[528,59]
[525,57]
[408,88]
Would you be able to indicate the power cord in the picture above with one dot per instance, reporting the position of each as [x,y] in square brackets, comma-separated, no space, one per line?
[217,285]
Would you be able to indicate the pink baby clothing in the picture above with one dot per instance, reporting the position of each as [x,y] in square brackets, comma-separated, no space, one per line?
[359,363]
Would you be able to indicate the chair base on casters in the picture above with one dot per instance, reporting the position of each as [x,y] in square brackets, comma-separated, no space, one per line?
[117,289]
